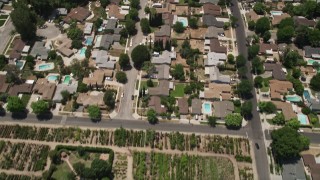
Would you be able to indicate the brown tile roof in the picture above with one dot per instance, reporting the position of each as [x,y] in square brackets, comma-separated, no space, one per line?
[277,19]
[302,21]
[277,88]
[167,17]
[91,98]
[315,171]
[3,85]
[161,90]
[20,89]
[215,90]
[264,47]
[277,72]
[155,103]
[251,15]
[18,46]
[45,88]
[216,47]
[97,79]
[183,106]
[286,109]
[114,11]
[209,8]
[308,160]
[222,108]
[196,106]
[78,14]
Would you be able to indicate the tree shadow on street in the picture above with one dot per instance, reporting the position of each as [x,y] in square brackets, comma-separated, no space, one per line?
[19,115]
[45,116]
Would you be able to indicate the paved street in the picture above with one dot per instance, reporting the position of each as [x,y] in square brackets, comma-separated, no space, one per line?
[125,111]
[255,122]
[5,35]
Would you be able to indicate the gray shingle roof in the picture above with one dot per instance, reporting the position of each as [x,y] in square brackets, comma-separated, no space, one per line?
[210,20]
[39,50]
[311,51]
[196,105]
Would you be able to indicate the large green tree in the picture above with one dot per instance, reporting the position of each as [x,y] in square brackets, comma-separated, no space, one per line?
[145,26]
[259,8]
[101,168]
[94,112]
[267,107]
[121,77]
[287,143]
[124,60]
[285,34]
[139,55]
[262,25]
[178,27]
[152,116]
[131,27]
[244,88]
[40,107]
[246,109]
[24,20]
[233,121]
[315,82]
[212,121]
[178,72]
[3,61]
[15,104]
[109,98]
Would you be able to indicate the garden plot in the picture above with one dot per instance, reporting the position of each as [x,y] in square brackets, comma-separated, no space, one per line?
[167,166]
[22,156]
[120,166]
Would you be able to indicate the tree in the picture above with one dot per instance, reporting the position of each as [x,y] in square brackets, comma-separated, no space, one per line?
[262,25]
[77,44]
[286,22]
[178,72]
[267,107]
[178,27]
[231,59]
[315,82]
[40,107]
[226,25]
[244,88]
[278,119]
[133,14]
[291,58]
[293,123]
[145,26]
[296,73]
[131,27]
[152,116]
[251,25]
[212,121]
[13,72]
[147,10]
[15,104]
[240,61]
[193,22]
[3,61]
[285,34]
[139,55]
[266,36]
[82,88]
[121,77]
[24,21]
[88,52]
[258,80]
[124,60]
[242,71]
[79,168]
[257,66]
[253,51]
[233,21]
[150,83]
[52,54]
[94,112]
[135,4]
[109,99]
[314,38]
[65,96]
[233,121]
[104,3]
[302,36]
[75,33]
[246,109]
[287,143]
[259,8]
[101,168]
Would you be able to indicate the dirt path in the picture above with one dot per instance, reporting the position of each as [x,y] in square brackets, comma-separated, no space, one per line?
[26,173]
[129,150]
[130,167]
[69,164]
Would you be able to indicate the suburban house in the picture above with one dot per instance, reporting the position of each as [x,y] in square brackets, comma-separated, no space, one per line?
[222,108]
[214,59]
[216,47]
[45,88]
[286,109]
[210,20]
[91,98]
[113,12]
[155,103]
[293,170]
[215,75]
[196,106]
[183,106]
[314,105]
[164,58]
[276,71]
[162,89]
[163,72]
[39,50]
[78,14]
[61,11]
[276,19]
[24,88]
[312,52]
[217,91]
[65,48]
[252,16]
[71,88]
[302,21]
[212,9]
[102,59]
[16,51]
[213,32]
[96,79]
[163,35]
[167,18]
[111,24]
[106,41]
[87,28]
[3,85]
[278,88]
[267,49]
[312,165]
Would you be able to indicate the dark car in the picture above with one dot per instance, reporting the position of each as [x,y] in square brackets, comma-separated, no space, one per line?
[132,97]
[257,145]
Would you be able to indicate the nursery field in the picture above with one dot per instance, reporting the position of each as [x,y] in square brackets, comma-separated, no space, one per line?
[166,166]
[22,156]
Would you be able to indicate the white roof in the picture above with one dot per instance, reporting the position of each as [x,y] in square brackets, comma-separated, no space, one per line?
[215,58]
[26,49]
[88,28]
[29,81]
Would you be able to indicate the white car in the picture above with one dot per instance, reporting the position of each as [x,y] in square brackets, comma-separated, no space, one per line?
[122,95]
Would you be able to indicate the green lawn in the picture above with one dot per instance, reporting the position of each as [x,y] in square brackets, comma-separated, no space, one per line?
[25,99]
[4,16]
[2,22]
[178,90]
[144,84]
[62,172]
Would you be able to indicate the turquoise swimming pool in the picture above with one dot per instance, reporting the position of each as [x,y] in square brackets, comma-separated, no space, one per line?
[52,77]
[83,51]
[303,119]
[276,13]
[293,98]
[67,79]
[89,40]
[20,64]
[207,108]
[44,67]
[306,95]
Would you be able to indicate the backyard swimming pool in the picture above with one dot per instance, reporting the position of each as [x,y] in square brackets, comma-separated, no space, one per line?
[303,119]
[207,108]
[46,66]
[276,13]
[306,95]
[293,98]
[89,40]
[52,77]
[20,64]
[183,20]
[83,51]
[67,79]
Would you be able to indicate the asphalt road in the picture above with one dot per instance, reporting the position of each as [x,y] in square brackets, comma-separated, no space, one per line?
[5,35]
[129,124]
[255,122]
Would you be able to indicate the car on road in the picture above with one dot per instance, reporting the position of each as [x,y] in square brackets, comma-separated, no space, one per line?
[132,97]
[122,95]
[257,145]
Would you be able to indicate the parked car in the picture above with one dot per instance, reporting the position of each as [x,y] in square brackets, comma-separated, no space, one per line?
[257,145]
[132,97]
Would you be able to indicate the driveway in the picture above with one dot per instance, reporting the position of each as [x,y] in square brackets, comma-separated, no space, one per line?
[5,35]
[49,32]
[126,105]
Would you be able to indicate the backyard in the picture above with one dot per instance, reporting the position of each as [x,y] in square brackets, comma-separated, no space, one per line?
[178,90]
